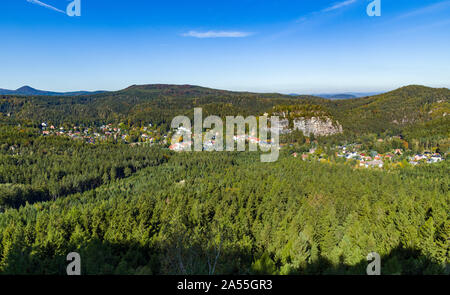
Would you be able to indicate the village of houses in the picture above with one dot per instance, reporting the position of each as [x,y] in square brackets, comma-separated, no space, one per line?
[107,132]
[150,135]
[209,145]
[373,159]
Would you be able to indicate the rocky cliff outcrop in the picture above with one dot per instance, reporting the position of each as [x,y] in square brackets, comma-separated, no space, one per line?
[317,126]
[310,119]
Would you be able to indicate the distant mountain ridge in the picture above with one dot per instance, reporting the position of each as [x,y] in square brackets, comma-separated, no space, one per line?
[170,89]
[347,95]
[30,91]
[411,109]
[337,96]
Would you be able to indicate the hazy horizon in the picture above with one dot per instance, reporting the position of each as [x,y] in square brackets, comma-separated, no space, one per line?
[206,86]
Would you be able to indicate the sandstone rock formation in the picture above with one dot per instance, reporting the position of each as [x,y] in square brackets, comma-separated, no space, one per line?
[317,126]
[310,119]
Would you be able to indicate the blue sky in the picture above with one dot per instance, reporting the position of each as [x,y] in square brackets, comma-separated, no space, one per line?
[301,46]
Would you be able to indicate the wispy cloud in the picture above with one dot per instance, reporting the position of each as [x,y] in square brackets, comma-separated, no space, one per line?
[436,7]
[217,34]
[334,7]
[339,5]
[45,5]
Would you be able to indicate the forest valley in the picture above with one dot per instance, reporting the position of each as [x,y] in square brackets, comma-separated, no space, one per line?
[128,204]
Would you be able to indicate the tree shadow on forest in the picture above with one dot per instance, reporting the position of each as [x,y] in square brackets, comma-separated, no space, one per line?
[400,261]
[129,258]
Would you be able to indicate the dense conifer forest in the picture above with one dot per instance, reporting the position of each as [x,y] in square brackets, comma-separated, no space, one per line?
[143,209]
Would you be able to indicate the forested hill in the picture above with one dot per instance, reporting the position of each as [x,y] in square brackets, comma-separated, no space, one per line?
[156,104]
[27,90]
[406,109]
[176,90]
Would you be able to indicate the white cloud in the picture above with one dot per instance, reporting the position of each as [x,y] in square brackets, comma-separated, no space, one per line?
[217,34]
[45,5]
[339,5]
